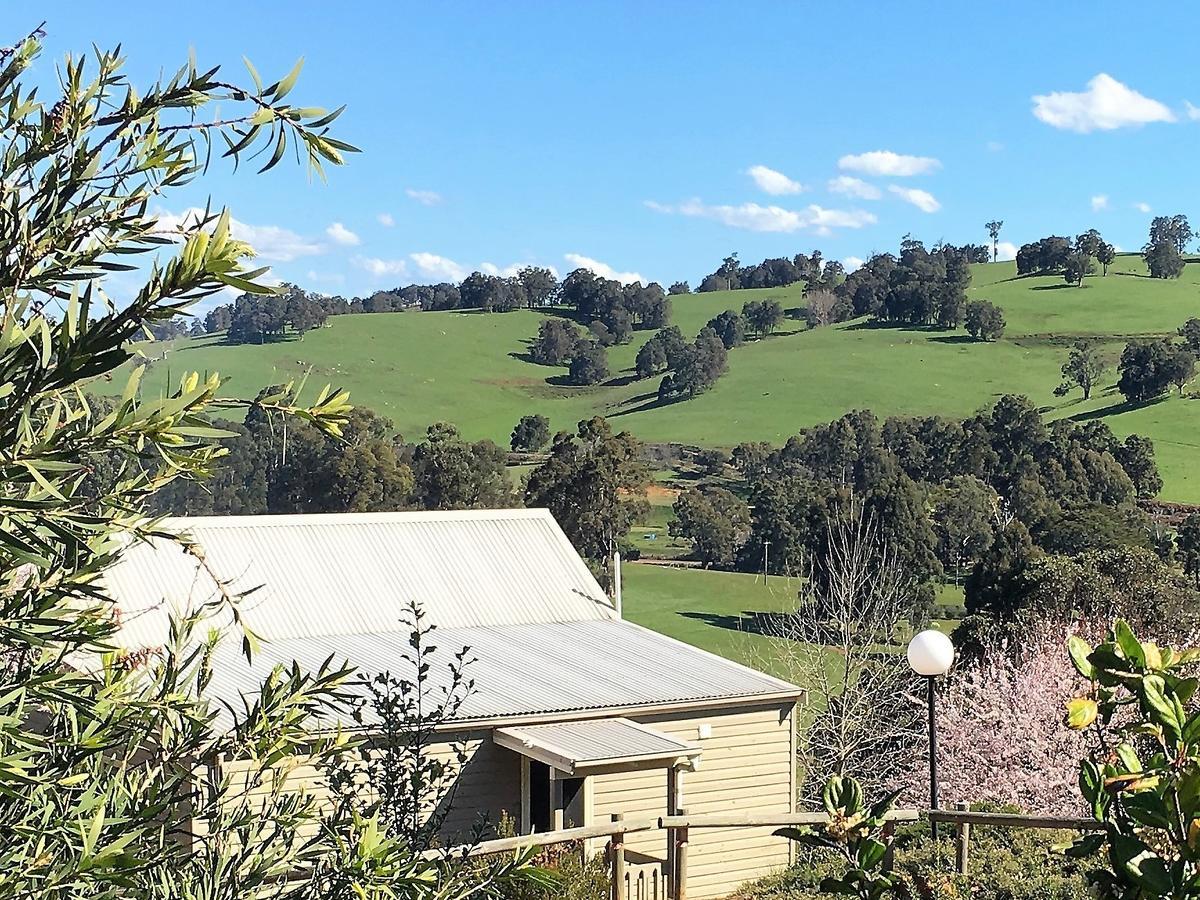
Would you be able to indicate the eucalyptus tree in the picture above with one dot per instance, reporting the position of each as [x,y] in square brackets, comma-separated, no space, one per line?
[993,230]
[105,755]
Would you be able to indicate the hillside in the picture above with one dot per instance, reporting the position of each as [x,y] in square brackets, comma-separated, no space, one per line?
[468,367]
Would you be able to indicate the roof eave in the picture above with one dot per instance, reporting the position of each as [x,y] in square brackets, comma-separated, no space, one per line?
[608,712]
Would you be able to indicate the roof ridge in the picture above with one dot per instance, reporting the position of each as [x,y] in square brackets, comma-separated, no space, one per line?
[354,518]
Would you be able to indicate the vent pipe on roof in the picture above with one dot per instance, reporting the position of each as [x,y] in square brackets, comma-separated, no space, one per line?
[617,583]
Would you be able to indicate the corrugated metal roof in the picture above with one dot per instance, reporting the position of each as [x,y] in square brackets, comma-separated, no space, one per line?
[571,746]
[525,671]
[313,575]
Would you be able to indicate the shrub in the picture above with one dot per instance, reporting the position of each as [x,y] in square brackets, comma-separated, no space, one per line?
[1145,784]
[1005,864]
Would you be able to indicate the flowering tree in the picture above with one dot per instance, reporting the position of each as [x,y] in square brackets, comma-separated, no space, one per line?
[1001,734]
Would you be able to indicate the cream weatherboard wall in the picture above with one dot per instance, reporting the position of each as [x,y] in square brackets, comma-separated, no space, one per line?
[747,765]
[488,784]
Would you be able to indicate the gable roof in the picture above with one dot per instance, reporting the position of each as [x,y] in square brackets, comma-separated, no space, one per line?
[351,573]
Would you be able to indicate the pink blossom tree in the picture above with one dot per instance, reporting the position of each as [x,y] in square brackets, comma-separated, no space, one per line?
[1001,731]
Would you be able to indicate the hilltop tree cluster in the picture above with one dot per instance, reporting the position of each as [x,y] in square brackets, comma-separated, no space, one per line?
[1163,252]
[1074,260]
[919,287]
[614,311]
[257,318]
[774,273]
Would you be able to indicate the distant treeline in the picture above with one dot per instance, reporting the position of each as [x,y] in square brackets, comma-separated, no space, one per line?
[600,302]
[815,271]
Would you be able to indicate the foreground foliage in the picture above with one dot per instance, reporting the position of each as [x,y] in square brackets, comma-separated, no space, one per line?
[854,832]
[1145,785]
[111,763]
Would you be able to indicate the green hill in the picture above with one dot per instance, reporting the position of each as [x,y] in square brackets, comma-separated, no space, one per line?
[469,367]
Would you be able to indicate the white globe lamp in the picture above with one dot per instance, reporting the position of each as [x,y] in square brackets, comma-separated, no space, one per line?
[930,653]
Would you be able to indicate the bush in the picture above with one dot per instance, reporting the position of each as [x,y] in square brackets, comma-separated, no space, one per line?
[1005,864]
[575,877]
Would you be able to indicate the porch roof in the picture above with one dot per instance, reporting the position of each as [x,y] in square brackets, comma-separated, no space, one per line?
[585,746]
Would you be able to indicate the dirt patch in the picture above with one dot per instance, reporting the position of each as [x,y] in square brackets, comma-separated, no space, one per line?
[659,495]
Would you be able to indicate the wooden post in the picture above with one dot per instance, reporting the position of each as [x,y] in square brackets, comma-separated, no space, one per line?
[889,838]
[672,810]
[962,843]
[617,849]
[557,813]
[681,859]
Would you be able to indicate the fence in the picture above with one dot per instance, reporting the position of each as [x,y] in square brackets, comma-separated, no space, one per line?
[962,819]
[635,878]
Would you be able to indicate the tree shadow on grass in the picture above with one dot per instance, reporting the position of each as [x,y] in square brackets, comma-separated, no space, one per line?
[771,624]
[214,340]
[877,325]
[1116,409]
[621,380]
[527,357]
[648,402]
[1055,287]
[955,339]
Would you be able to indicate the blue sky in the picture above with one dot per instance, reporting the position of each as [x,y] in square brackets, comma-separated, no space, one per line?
[628,133]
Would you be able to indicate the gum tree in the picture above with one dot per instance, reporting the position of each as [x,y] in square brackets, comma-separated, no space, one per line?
[107,787]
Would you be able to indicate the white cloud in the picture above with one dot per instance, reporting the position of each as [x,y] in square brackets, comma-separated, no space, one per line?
[604,270]
[380,267]
[922,200]
[340,234]
[773,182]
[1105,105]
[1099,202]
[755,217]
[1142,206]
[432,266]
[885,162]
[1193,111]
[270,242]
[425,198]
[1006,250]
[488,268]
[385,219]
[851,263]
[854,187]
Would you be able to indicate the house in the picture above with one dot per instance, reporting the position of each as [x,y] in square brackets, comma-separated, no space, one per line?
[576,714]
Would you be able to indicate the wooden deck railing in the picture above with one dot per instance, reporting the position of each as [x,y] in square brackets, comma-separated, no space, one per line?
[673,883]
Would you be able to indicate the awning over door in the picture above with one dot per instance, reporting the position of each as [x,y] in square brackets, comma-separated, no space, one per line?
[594,746]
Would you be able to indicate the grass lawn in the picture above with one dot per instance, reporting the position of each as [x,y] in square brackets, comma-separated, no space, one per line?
[469,368]
[715,610]
[710,610]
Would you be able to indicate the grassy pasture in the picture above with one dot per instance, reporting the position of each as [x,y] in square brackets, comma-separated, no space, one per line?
[470,368]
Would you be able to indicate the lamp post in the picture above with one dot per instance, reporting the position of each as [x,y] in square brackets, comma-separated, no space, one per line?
[931,654]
